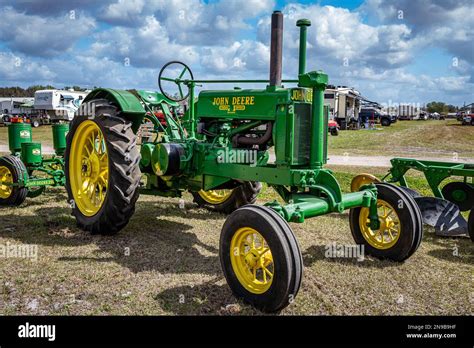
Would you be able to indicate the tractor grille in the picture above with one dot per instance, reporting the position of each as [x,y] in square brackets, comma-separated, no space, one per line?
[302,134]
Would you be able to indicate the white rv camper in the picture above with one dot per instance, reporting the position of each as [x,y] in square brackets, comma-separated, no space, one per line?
[60,105]
[344,105]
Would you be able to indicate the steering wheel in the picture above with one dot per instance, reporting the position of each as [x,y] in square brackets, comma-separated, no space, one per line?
[184,76]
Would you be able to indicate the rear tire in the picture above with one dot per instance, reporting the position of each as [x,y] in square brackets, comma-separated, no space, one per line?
[124,174]
[409,227]
[13,170]
[238,260]
[246,193]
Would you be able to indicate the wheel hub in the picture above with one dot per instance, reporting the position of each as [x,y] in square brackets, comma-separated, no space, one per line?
[252,260]
[389,231]
[92,167]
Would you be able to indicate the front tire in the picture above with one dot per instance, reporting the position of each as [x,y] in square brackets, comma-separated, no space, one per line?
[12,171]
[260,258]
[401,227]
[102,172]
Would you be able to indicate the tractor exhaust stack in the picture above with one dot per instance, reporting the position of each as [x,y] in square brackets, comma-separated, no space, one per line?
[303,24]
[276,45]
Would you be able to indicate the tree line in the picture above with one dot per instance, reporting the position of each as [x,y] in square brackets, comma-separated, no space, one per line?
[441,108]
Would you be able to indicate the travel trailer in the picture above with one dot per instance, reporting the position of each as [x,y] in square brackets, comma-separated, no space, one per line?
[344,105]
[59,104]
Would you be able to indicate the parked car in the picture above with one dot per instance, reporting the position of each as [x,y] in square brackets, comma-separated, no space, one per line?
[436,116]
[368,115]
[4,119]
[468,120]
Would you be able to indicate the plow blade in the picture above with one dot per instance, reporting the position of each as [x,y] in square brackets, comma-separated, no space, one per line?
[443,215]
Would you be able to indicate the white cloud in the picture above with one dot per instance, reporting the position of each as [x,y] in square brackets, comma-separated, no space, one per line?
[145,46]
[17,68]
[44,37]
[369,48]
[239,58]
[192,21]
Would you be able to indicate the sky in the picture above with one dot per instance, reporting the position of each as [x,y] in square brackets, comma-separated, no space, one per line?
[399,51]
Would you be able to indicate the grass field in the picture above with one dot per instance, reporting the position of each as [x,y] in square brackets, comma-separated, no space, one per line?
[408,138]
[41,134]
[166,262]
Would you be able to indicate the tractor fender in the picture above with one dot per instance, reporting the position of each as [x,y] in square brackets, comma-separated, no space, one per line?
[129,105]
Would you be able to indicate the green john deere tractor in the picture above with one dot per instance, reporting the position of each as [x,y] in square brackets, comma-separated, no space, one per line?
[123,144]
[25,172]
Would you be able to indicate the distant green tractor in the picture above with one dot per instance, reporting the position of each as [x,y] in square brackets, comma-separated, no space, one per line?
[25,173]
[122,144]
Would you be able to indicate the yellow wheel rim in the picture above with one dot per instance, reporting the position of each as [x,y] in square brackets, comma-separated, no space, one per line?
[390,228]
[6,180]
[215,196]
[362,179]
[89,168]
[252,260]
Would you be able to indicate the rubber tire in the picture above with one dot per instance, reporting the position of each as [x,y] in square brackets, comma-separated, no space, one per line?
[124,172]
[334,131]
[411,192]
[18,170]
[467,188]
[410,195]
[410,220]
[470,224]
[385,122]
[245,194]
[288,262]
[35,124]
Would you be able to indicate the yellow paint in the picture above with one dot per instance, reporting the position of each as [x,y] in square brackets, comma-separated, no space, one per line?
[231,105]
[252,260]
[390,227]
[89,168]
[302,95]
[6,180]
[215,196]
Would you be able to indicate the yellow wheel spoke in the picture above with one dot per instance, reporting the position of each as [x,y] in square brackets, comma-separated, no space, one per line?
[267,271]
[388,233]
[215,196]
[251,267]
[89,168]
